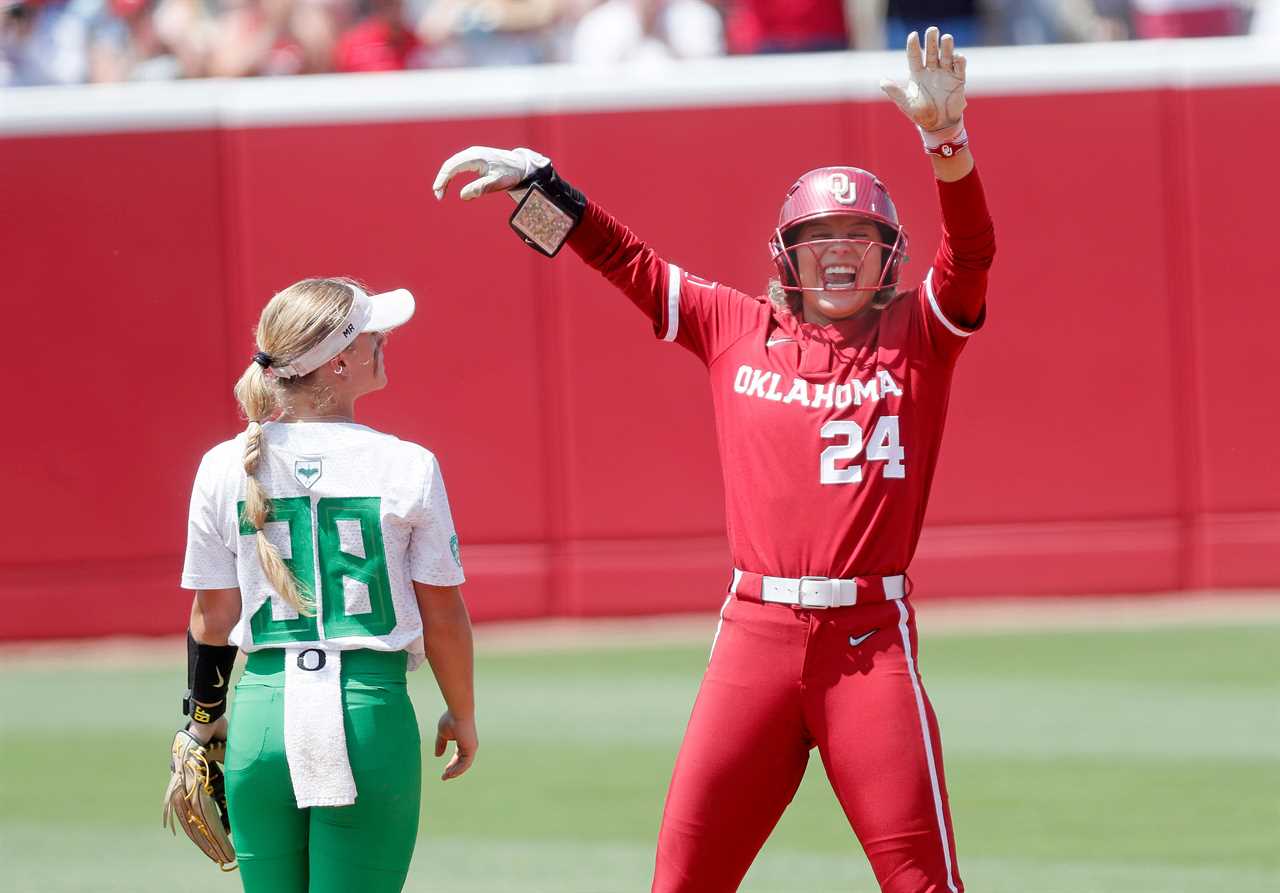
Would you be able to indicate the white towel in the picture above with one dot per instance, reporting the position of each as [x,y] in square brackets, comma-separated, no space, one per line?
[315,743]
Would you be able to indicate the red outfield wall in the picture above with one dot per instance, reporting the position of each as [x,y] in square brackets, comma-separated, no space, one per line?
[1113,429]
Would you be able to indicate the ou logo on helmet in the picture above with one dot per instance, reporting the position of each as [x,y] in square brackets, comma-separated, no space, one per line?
[844,190]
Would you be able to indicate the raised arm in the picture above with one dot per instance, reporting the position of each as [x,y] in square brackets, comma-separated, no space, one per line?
[550,213]
[933,99]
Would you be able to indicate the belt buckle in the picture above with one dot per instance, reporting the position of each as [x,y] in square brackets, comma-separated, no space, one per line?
[828,591]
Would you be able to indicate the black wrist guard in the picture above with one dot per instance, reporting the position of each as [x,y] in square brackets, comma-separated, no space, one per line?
[208,671]
[549,211]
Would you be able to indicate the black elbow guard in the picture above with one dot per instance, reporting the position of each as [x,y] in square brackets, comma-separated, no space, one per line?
[208,672]
[549,211]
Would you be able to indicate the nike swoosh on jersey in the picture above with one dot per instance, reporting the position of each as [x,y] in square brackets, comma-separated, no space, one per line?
[855,641]
[772,341]
[221,682]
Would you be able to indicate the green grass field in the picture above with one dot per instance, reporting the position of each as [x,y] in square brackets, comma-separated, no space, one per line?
[1133,762]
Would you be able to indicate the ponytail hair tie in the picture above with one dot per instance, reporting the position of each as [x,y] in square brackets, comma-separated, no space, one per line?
[262,359]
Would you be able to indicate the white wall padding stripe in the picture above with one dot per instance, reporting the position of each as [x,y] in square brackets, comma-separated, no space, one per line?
[459,94]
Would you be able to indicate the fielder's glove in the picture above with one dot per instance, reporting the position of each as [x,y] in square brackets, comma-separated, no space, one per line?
[196,798]
[934,94]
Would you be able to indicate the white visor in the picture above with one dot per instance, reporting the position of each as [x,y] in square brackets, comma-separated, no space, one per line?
[369,313]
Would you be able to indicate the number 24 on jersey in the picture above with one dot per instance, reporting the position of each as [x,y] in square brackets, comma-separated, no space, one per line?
[883,446]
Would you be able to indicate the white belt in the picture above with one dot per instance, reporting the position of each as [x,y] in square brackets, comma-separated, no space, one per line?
[819,592]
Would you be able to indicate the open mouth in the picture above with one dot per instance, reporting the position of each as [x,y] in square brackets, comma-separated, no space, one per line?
[836,278]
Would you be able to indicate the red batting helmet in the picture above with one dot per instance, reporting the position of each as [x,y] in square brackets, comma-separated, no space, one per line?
[828,191]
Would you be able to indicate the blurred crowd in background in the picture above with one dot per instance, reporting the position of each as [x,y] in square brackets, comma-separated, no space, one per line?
[96,41]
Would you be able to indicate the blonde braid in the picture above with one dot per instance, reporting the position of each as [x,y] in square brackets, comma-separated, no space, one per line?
[258,399]
[294,320]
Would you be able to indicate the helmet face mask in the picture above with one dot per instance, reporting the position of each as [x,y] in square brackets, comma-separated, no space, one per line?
[839,192]
[789,262]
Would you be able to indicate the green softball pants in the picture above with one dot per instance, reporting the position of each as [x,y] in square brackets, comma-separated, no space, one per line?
[366,846]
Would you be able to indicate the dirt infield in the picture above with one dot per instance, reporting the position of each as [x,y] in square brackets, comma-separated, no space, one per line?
[936,617]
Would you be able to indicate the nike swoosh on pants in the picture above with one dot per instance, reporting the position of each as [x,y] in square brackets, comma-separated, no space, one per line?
[855,641]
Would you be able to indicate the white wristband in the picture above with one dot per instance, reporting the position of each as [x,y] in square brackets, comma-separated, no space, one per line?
[953,134]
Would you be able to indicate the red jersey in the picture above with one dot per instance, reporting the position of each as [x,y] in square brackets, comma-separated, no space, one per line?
[375,45]
[828,435]
[754,26]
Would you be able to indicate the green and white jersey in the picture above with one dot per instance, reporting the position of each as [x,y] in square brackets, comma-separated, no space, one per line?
[357,515]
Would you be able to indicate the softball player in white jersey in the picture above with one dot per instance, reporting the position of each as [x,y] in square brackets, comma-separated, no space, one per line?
[326,551]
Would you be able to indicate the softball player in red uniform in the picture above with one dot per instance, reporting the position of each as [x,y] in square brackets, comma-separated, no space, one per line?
[830,395]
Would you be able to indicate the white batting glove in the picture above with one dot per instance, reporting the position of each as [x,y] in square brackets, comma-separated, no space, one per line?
[934,94]
[499,169]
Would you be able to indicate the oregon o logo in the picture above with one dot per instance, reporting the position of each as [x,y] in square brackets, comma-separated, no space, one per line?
[843,189]
[311,660]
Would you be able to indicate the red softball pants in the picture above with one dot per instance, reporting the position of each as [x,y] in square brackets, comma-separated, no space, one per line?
[782,680]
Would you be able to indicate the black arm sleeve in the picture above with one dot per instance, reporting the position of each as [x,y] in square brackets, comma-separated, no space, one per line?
[208,672]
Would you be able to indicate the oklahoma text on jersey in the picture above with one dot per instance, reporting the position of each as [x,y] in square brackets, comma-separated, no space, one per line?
[765,384]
